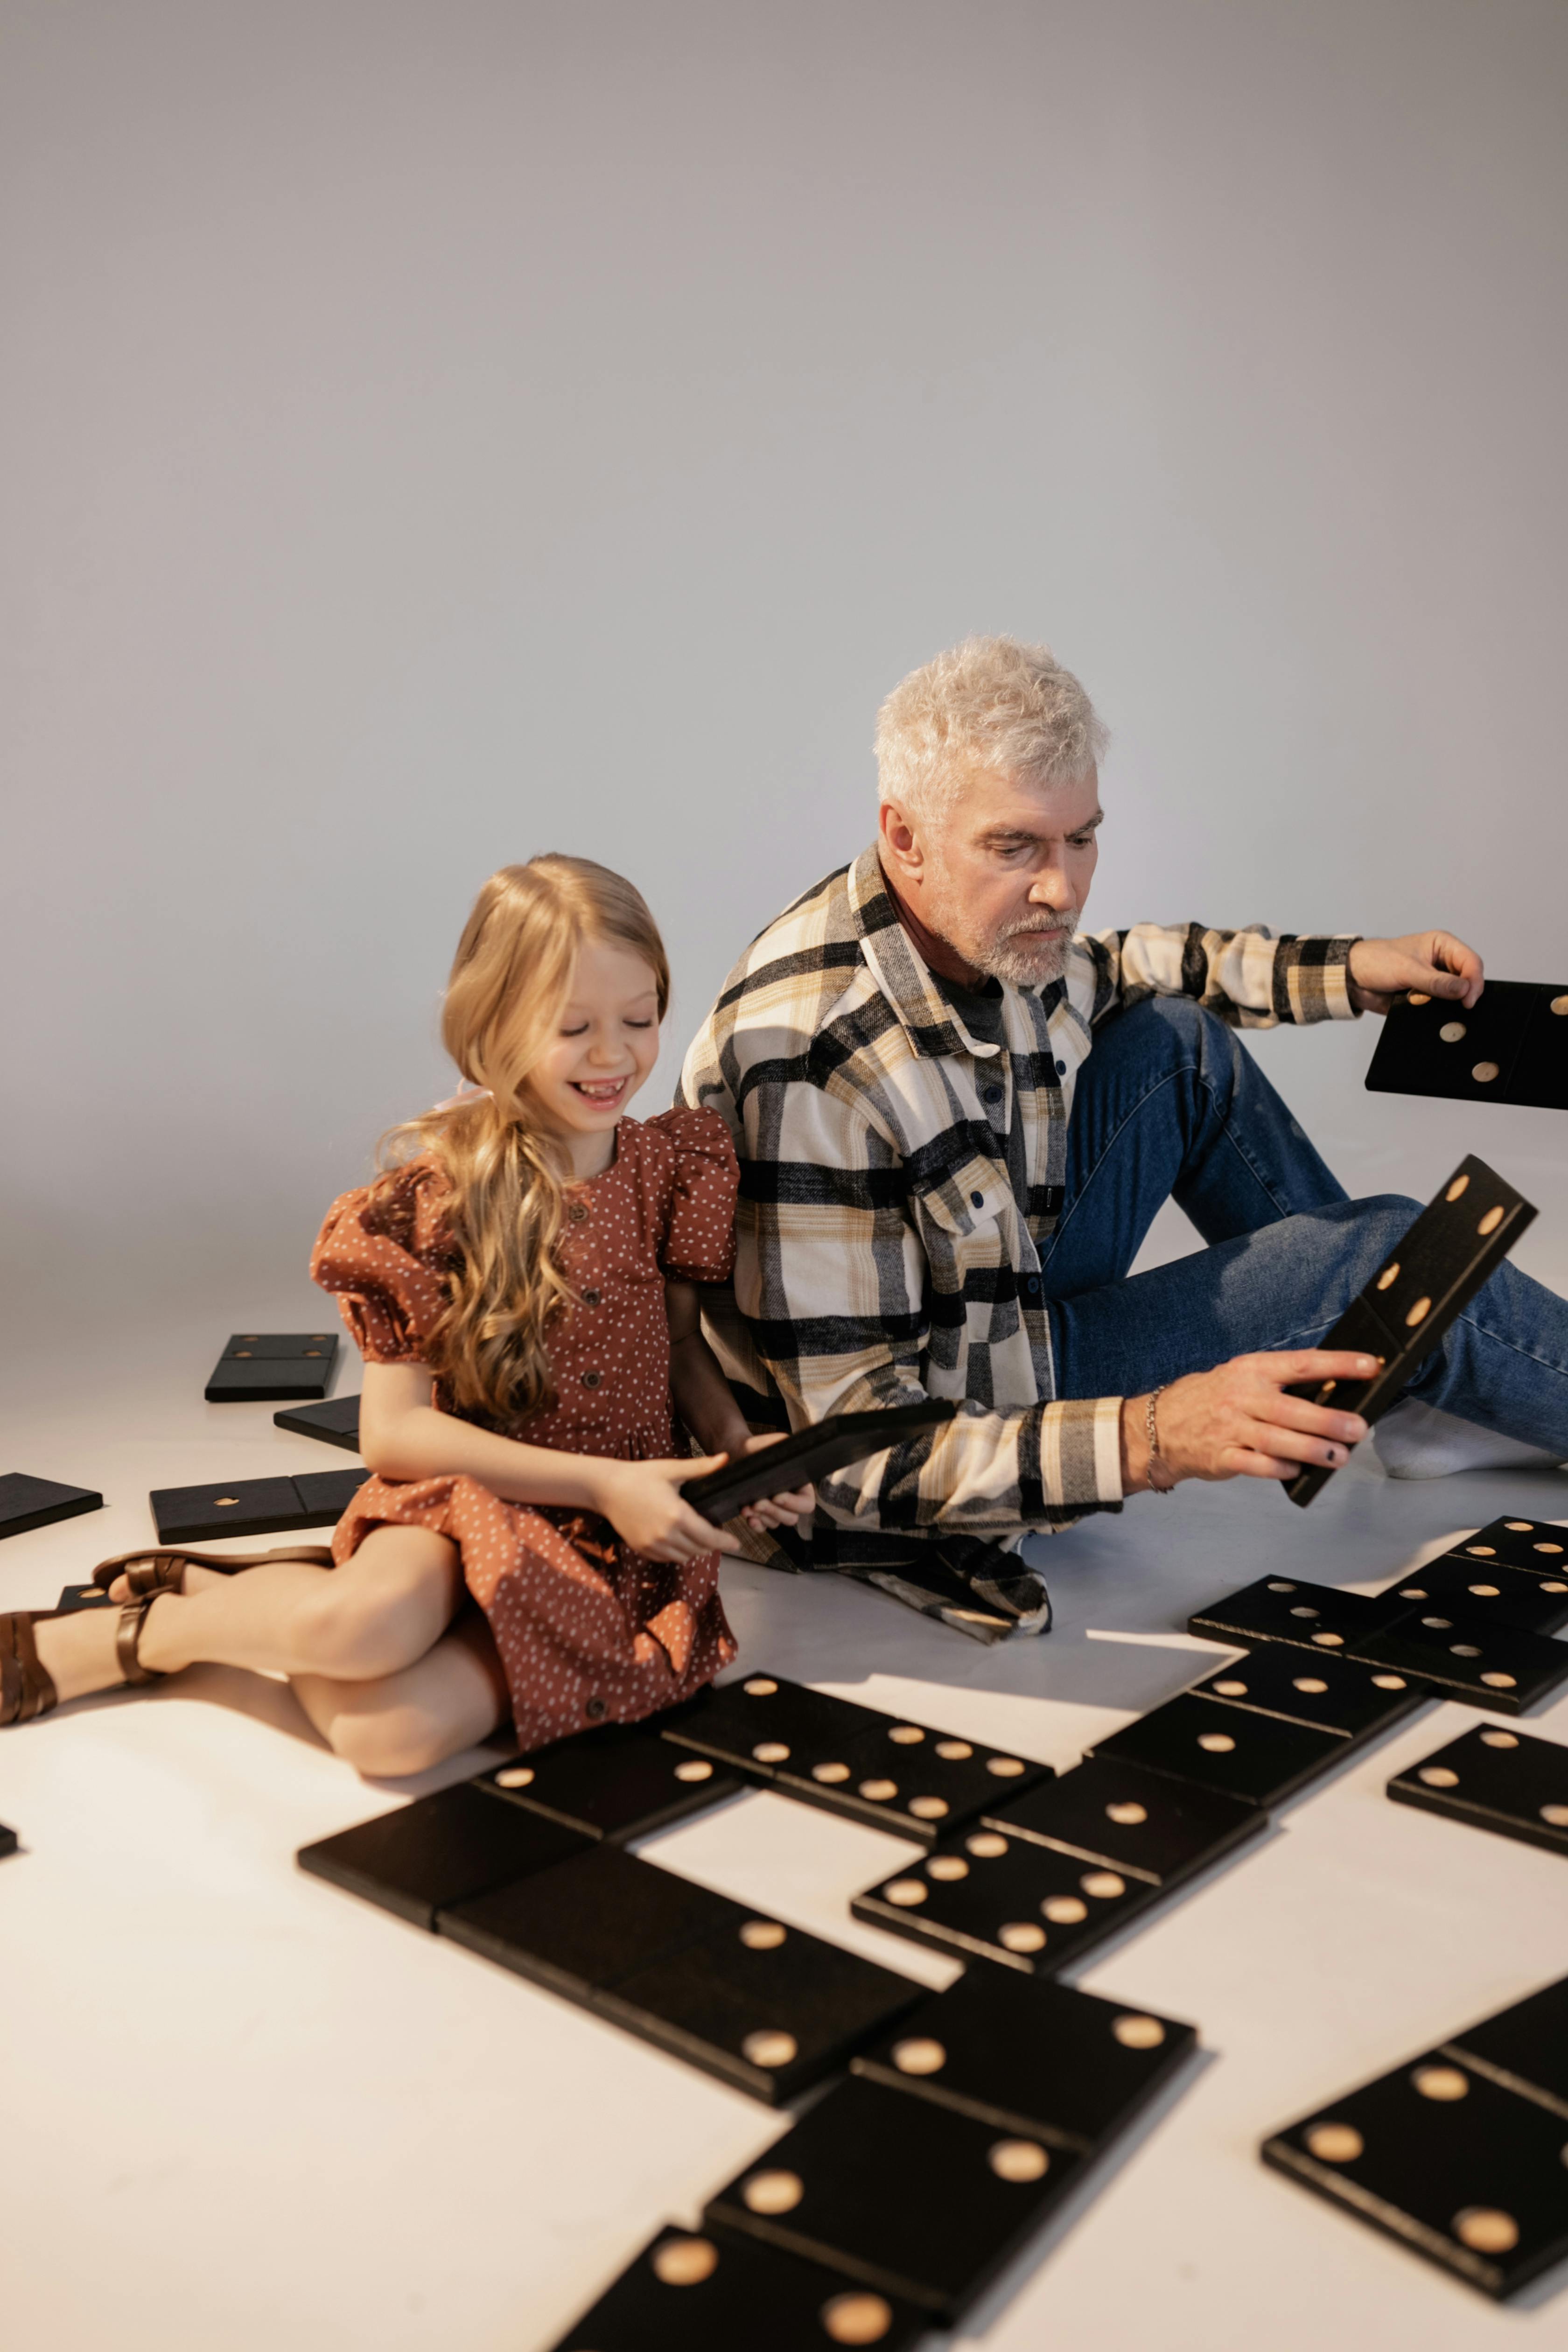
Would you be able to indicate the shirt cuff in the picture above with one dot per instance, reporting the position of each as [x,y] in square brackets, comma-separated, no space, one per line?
[1311,980]
[1080,1452]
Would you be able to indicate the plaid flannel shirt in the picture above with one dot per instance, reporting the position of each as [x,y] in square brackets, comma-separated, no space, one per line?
[881,1253]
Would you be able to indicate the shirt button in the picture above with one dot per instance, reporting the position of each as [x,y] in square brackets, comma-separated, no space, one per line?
[978,1200]
[1032,1285]
[593,1710]
[1062,1069]
[992,1094]
[590,1380]
[590,1298]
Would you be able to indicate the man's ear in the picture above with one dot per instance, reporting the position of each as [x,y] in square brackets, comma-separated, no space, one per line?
[901,843]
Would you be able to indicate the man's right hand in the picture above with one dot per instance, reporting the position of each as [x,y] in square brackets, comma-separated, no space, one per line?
[1236,1422]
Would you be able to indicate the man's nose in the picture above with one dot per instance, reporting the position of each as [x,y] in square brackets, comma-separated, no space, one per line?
[1051,888]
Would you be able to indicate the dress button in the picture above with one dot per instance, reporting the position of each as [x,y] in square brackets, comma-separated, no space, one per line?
[576,1210]
[590,1380]
[593,1710]
[590,1298]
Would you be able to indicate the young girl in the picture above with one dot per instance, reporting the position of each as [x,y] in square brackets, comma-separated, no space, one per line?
[520,1284]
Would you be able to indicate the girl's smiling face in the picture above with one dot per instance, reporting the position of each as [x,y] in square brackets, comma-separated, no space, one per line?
[605,1043]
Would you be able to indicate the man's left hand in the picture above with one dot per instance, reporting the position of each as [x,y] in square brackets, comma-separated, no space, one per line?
[1434,963]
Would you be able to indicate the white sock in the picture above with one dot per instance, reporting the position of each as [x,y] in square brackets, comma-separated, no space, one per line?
[1417,1441]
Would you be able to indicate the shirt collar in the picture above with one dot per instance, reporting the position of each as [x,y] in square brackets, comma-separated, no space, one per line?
[900,970]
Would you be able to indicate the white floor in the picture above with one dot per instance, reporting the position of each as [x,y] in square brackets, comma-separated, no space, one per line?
[239,2109]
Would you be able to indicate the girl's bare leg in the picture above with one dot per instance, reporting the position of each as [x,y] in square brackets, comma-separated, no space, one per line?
[385,1608]
[450,1699]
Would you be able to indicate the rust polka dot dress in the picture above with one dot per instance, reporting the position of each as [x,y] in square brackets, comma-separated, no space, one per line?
[589,1630]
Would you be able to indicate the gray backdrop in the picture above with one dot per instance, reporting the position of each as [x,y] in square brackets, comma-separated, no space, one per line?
[436,433]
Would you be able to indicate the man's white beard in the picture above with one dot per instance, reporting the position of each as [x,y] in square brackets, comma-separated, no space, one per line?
[1029,959]
[1018,952]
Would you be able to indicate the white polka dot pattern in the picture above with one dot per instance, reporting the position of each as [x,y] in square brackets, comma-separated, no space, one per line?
[588,1631]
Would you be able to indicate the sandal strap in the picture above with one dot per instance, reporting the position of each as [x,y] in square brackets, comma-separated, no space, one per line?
[27,1687]
[146,1570]
[127,1638]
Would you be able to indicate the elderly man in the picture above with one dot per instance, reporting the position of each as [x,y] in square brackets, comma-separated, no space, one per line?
[943,1188]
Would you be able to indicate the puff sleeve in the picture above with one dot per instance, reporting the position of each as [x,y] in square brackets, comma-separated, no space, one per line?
[385,1251]
[698,1243]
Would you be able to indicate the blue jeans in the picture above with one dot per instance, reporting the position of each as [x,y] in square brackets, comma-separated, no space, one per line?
[1170,1106]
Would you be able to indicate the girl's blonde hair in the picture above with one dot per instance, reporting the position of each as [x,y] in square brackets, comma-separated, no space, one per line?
[510,981]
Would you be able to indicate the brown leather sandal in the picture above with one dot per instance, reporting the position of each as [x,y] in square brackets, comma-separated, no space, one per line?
[27,1687]
[127,1642]
[26,1690]
[162,1568]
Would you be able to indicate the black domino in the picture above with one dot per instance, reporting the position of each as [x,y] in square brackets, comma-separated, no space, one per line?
[1125,1818]
[1511,1046]
[1327,1692]
[1030,2056]
[1286,1609]
[1433,1271]
[1512,1782]
[991,1895]
[1537,1543]
[1483,1664]
[1444,2159]
[761,2005]
[619,1782]
[336,1422]
[713,2290]
[273,1364]
[883,1770]
[253,1506]
[26,1503]
[1485,1591]
[589,1920]
[1257,1758]
[1523,2047]
[904,2197]
[438,1850]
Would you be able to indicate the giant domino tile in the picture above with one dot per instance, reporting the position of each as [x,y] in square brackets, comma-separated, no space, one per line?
[964,2118]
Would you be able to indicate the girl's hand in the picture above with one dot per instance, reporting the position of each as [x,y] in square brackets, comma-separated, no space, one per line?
[1237,1421]
[780,1510]
[642,1502]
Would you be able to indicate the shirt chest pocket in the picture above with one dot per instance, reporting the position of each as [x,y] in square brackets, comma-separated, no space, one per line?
[969,1210]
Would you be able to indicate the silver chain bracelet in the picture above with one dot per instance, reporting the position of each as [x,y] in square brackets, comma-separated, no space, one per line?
[1160,1478]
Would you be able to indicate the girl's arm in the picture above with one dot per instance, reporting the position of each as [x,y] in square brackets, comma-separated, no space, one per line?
[402,1437]
[703,1401]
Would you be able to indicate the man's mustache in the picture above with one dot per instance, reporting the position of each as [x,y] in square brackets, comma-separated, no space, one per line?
[1061,929]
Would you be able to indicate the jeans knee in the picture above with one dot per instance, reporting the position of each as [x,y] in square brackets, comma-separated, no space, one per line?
[1173,1033]
[1390,1214]
[1381,1222]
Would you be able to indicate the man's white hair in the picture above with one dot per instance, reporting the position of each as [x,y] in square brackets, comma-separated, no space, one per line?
[990,703]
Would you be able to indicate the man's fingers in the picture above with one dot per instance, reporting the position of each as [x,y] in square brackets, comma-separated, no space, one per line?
[1293,1365]
[1317,1421]
[1246,1462]
[1294,1445]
